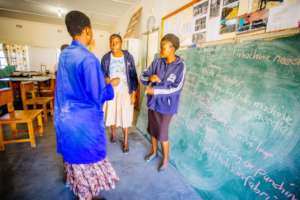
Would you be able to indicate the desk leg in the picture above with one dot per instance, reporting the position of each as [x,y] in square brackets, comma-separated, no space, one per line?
[1,139]
[40,124]
[14,131]
[31,133]
[45,112]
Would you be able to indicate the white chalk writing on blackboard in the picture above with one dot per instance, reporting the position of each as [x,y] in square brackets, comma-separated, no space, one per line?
[283,60]
[236,164]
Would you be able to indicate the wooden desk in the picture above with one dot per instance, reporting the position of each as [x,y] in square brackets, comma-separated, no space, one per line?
[14,83]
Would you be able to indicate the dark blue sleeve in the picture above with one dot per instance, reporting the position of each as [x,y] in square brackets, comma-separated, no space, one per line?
[103,67]
[147,73]
[108,93]
[172,85]
[134,74]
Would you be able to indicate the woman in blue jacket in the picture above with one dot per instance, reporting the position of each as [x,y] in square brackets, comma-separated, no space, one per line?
[79,96]
[119,112]
[164,80]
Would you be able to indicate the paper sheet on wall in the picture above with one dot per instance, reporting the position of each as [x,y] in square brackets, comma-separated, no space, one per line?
[284,16]
[213,27]
[182,25]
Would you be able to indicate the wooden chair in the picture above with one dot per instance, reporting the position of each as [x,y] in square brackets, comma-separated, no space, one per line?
[47,90]
[14,117]
[27,88]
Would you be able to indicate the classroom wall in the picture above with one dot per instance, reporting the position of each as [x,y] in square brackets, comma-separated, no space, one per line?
[42,56]
[156,8]
[160,8]
[44,37]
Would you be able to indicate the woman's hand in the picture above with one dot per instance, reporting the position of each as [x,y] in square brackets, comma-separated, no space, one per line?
[114,82]
[133,98]
[107,80]
[154,79]
[92,46]
[149,90]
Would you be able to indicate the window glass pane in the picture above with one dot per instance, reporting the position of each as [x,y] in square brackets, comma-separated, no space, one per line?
[3,61]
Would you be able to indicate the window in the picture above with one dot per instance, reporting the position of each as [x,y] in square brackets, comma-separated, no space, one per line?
[3,61]
[17,55]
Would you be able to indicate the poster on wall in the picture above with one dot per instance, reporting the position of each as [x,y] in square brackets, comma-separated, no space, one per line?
[200,9]
[199,38]
[214,8]
[200,22]
[229,3]
[265,4]
[229,16]
[253,21]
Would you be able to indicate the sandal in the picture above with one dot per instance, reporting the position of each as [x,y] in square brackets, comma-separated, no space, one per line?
[150,157]
[113,140]
[162,167]
[125,148]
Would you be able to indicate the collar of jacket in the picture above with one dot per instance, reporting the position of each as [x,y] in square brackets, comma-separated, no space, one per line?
[175,62]
[126,58]
[125,53]
[79,44]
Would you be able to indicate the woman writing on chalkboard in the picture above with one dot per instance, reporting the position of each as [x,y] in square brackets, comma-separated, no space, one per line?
[164,80]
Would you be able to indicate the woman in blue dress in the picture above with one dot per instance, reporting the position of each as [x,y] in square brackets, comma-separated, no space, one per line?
[80,93]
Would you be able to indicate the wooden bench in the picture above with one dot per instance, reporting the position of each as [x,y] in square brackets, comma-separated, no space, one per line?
[47,90]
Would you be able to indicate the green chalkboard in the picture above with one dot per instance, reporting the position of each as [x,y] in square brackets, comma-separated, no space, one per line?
[237,132]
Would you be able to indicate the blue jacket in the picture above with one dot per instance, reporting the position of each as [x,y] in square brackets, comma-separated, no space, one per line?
[79,95]
[166,93]
[131,75]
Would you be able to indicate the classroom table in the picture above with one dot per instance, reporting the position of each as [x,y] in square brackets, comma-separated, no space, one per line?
[14,83]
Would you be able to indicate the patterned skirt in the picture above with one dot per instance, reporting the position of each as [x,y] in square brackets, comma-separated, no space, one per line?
[87,180]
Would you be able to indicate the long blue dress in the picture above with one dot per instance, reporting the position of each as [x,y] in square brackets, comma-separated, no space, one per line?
[79,96]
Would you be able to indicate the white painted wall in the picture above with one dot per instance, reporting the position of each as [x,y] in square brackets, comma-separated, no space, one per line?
[42,56]
[32,33]
[156,8]
[43,39]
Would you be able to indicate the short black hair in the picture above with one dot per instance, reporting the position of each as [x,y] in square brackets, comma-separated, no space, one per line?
[173,39]
[115,35]
[76,21]
[62,47]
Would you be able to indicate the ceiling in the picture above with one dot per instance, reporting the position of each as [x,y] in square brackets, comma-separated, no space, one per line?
[104,14]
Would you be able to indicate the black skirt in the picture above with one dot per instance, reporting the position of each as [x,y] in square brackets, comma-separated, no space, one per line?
[158,125]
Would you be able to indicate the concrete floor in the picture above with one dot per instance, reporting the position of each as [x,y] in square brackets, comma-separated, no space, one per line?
[36,174]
